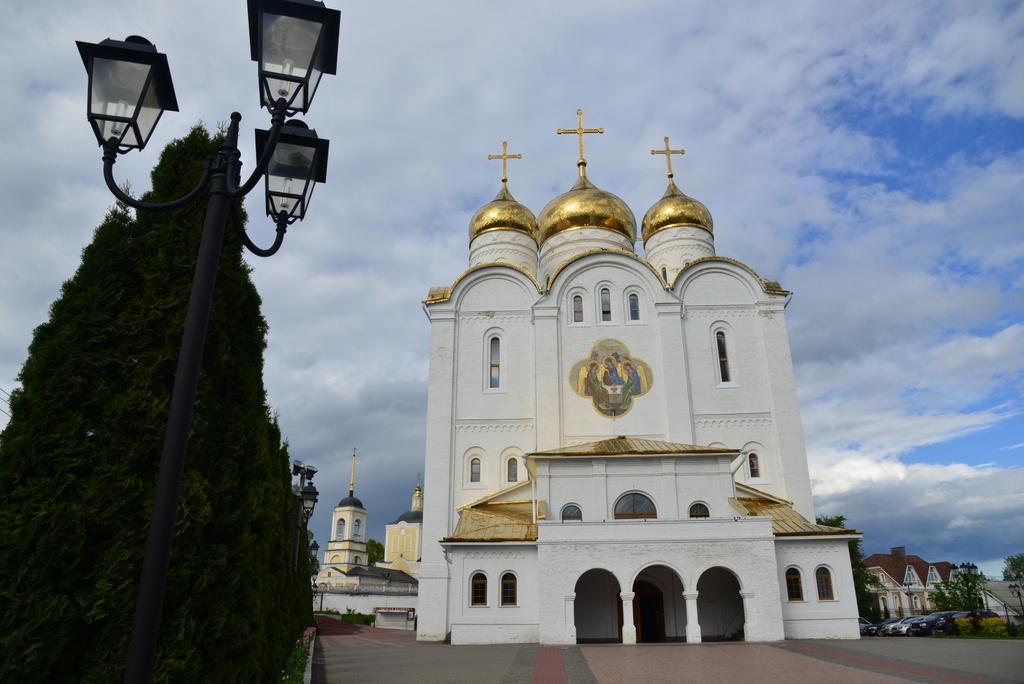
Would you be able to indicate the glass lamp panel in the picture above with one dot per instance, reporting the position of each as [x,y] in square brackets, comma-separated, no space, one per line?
[149,114]
[288,48]
[115,93]
[287,174]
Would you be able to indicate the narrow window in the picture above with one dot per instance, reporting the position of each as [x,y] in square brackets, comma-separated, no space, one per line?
[723,357]
[794,589]
[355,528]
[824,579]
[664,273]
[755,467]
[635,506]
[699,510]
[495,363]
[474,470]
[606,304]
[508,589]
[478,590]
[358,561]
[577,309]
[572,512]
[339,532]
[513,470]
[634,307]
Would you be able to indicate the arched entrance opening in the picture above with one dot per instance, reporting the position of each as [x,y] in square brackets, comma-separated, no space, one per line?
[720,606]
[659,612]
[597,609]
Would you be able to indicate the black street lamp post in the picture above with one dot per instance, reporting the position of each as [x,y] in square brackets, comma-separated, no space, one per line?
[305,500]
[1017,589]
[295,43]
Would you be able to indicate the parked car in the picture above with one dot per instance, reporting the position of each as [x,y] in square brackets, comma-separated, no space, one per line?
[867,628]
[903,627]
[931,623]
[885,629]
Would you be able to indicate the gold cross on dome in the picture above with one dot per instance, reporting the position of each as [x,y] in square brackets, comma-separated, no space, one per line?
[579,131]
[668,152]
[504,157]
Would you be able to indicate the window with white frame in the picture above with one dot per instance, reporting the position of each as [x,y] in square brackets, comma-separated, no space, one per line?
[724,372]
[823,578]
[478,590]
[755,466]
[339,530]
[474,470]
[494,363]
[606,304]
[577,309]
[634,306]
[512,469]
[508,589]
[571,512]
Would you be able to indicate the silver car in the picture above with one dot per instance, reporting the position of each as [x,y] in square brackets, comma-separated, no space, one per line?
[902,628]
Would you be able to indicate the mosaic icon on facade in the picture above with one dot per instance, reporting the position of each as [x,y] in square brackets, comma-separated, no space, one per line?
[611,377]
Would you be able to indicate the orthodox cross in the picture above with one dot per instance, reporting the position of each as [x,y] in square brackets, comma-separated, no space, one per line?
[668,152]
[579,131]
[504,157]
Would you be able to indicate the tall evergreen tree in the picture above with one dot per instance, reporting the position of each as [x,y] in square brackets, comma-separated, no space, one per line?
[79,457]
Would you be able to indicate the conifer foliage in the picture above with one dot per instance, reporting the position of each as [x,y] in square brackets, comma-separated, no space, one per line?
[79,457]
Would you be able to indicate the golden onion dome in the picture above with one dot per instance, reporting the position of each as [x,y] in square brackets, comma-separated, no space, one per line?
[503,213]
[675,209]
[586,206]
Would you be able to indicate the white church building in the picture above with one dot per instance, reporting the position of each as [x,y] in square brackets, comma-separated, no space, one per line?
[614,450]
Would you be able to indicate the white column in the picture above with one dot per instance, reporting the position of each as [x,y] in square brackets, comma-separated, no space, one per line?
[628,628]
[692,619]
[569,608]
[749,613]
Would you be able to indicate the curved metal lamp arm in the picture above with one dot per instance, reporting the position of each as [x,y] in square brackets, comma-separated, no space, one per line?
[110,156]
[282,228]
[277,119]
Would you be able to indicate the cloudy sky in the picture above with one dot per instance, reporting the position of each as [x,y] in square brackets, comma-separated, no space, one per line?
[869,155]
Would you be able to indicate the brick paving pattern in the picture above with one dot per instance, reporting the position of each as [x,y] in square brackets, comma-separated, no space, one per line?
[354,653]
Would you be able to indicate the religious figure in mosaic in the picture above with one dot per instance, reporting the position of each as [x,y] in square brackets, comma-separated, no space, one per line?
[611,378]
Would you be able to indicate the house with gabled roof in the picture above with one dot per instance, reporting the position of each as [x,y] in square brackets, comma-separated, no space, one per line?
[907,582]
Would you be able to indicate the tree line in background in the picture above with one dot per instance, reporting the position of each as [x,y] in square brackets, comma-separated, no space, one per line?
[78,465]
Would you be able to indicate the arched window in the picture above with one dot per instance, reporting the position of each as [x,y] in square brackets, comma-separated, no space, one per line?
[606,304]
[478,590]
[494,379]
[474,470]
[917,602]
[755,466]
[699,510]
[794,588]
[339,531]
[633,506]
[723,357]
[513,470]
[824,580]
[577,309]
[356,528]
[508,589]
[634,307]
[664,273]
[571,512]
[358,561]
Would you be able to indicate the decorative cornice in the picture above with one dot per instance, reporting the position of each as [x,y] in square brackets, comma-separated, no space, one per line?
[437,295]
[480,426]
[771,287]
[732,421]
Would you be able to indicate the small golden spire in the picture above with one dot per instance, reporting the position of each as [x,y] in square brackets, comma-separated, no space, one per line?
[504,157]
[580,131]
[668,152]
[352,478]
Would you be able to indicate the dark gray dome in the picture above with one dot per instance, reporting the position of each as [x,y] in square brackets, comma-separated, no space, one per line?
[409,517]
[350,500]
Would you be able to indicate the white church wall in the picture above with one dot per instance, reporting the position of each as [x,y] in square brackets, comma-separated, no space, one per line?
[365,603]
[493,623]
[814,618]
[504,246]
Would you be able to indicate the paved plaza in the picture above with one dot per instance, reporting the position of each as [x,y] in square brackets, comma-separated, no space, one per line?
[348,653]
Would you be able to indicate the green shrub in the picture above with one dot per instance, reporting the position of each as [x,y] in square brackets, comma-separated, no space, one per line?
[986,628]
[355,618]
